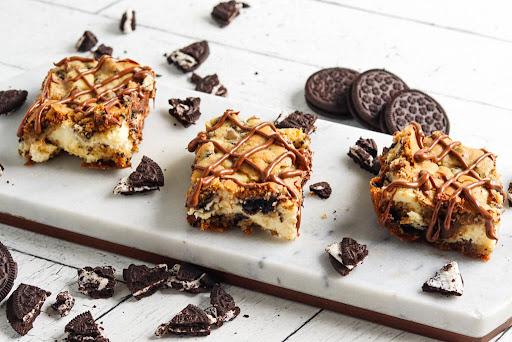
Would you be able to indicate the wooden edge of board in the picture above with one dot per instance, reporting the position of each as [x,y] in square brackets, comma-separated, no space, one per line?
[372,316]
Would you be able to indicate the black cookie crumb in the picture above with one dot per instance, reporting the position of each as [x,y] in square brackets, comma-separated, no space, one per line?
[147,177]
[364,153]
[97,282]
[346,255]
[210,85]
[225,12]
[299,120]
[64,303]
[321,189]
[103,50]
[185,111]
[86,42]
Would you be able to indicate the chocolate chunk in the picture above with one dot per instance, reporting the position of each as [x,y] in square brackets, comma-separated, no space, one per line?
[185,111]
[415,106]
[186,277]
[147,177]
[11,100]
[509,194]
[210,85]
[8,268]
[299,120]
[191,321]
[86,42]
[98,282]
[23,307]
[369,94]
[103,50]
[225,12]
[143,281]
[346,255]
[327,91]
[447,281]
[364,153]
[191,57]
[84,328]
[223,307]
[127,23]
[321,189]
[64,303]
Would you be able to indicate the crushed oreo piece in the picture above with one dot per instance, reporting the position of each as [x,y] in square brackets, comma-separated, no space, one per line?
[509,196]
[103,50]
[64,303]
[185,111]
[23,307]
[143,281]
[299,120]
[225,12]
[8,268]
[364,153]
[190,57]
[447,281]
[321,189]
[11,100]
[84,328]
[346,255]
[191,321]
[127,23]
[210,85]
[98,282]
[186,277]
[223,307]
[147,177]
[1,173]
[86,42]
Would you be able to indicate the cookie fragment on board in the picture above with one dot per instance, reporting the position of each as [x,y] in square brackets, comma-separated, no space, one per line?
[190,57]
[321,189]
[191,321]
[147,177]
[11,100]
[225,12]
[23,307]
[8,268]
[188,278]
[297,119]
[185,111]
[364,153]
[128,23]
[102,50]
[509,194]
[64,303]
[447,281]
[97,282]
[223,307]
[346,255]
[86,42]
[143,281]
[84,328]
[209,84]
[1,173]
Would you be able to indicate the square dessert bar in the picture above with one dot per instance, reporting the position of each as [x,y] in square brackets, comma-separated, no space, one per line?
[94,109]
[436,190]
[248,175]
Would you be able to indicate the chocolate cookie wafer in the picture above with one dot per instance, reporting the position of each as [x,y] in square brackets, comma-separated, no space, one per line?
[23,307]
[190,57]
[369,94]
[8,270]
[11,100]
[326,91]
[413,105]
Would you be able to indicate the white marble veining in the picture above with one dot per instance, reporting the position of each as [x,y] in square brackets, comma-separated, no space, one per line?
[63,194]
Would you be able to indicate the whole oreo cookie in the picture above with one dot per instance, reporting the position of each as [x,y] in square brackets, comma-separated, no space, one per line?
[11,100]
[8,271]
[370,93]
[414,105]
[327,91]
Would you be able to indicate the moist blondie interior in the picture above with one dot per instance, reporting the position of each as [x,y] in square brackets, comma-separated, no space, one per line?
[436,190]
[248,175]
[94,109]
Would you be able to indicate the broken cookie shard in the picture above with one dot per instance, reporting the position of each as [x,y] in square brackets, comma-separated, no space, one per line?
[447,281]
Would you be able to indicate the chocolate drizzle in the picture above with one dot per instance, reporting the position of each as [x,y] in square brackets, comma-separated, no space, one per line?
[426,182]
[300,159]
[87,107]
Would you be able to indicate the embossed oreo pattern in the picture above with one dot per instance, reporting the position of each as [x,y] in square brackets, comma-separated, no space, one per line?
[328,89]
[8,271]
[414,106]
[370,93]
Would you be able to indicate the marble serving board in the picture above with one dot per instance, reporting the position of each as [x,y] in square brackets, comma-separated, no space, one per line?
[60,193]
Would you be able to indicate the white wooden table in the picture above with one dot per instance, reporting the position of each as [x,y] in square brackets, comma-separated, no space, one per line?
[457,51]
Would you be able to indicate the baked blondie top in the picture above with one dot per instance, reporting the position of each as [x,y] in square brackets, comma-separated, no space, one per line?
[248,175]
[434,189]
[94,109]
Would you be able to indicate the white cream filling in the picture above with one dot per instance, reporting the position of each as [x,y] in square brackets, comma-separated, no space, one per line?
[182,59]
[31,314]
[147,288]
[125,186]
[449,280]
[127,26]
[334,249]
[91,277]
[215,89]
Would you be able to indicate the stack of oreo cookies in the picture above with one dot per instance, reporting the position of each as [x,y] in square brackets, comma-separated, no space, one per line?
[377,99]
